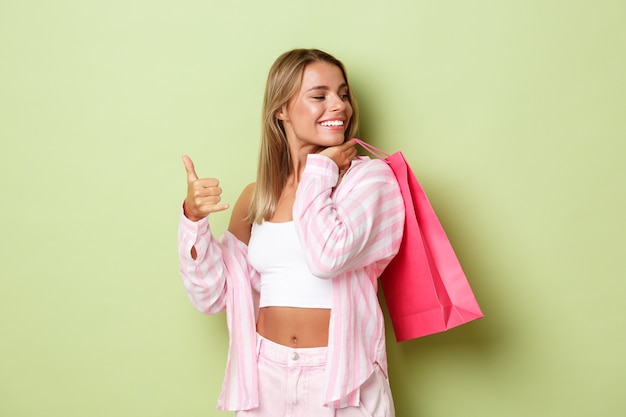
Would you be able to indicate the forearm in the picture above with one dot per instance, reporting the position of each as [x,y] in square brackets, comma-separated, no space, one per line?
[351,227]
[204,275]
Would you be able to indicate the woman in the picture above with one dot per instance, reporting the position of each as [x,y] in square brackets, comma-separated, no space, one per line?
[297,269]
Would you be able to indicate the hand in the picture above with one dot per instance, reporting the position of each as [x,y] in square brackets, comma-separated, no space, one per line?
[203,195]
[342,154]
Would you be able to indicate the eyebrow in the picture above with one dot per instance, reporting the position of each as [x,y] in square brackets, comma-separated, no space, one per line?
[324,87]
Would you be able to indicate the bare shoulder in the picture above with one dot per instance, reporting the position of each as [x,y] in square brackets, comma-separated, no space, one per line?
[239,226]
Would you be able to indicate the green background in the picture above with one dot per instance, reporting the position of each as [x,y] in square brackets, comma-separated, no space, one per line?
[512,114]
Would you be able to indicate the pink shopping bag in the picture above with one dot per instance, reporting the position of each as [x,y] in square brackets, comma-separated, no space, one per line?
[424,286]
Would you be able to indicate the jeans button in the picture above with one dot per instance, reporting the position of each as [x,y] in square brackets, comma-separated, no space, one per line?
[295,356]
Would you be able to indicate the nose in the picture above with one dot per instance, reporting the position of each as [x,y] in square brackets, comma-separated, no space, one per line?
[337,103]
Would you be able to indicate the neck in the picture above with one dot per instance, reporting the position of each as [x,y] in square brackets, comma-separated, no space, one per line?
[298,160]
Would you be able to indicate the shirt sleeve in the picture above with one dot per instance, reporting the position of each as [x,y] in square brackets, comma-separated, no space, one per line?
[351,226]
[204,278]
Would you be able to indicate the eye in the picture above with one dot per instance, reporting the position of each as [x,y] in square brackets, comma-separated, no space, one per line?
[345,96]
[319,97]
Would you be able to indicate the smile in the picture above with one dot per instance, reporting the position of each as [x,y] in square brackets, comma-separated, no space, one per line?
[332,123]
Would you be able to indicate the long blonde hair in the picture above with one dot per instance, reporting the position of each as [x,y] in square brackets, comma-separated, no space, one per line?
[274,166]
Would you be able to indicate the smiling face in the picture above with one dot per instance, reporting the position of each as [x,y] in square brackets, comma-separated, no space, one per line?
[320,111]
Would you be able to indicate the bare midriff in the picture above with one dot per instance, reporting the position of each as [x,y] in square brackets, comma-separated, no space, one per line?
[294,327]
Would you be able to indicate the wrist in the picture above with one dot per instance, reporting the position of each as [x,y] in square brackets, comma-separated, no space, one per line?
[191,216]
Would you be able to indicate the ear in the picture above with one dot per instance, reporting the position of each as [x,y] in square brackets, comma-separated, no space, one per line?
[282,113]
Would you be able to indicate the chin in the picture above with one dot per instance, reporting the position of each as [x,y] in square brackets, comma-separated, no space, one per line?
[334,140]
[328,139]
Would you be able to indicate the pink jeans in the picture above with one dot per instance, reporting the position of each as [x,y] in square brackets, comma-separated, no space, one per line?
[291,384]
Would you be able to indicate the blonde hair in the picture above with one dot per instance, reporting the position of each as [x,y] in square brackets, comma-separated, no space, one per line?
[274,165]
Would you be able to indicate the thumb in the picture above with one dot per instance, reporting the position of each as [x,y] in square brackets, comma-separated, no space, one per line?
[349,143]
[191,170]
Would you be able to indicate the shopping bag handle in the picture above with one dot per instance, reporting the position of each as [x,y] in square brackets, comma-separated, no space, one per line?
[372,149]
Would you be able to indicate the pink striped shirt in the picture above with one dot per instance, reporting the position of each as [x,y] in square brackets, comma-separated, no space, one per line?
[350,233]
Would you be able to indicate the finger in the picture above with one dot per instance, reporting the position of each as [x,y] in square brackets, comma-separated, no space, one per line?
[191,170]
[349,143]
[205,193]
[213,208]
[206,196]
[207,183]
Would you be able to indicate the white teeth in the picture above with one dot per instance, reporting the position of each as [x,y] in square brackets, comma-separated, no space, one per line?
[333,123]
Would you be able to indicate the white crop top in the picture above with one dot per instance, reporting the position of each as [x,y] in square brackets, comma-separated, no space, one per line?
[275,252]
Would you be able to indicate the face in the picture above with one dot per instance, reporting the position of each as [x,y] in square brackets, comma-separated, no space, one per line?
[319,113]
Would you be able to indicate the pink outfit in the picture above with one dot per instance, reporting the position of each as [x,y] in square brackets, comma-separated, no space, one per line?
[298,375]
[350,233]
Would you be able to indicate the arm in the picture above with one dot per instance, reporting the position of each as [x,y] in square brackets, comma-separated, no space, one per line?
[357,225]
[204,260]
[201,265]
[239,226]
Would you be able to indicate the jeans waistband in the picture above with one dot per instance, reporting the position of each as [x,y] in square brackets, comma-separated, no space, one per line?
[288,356]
